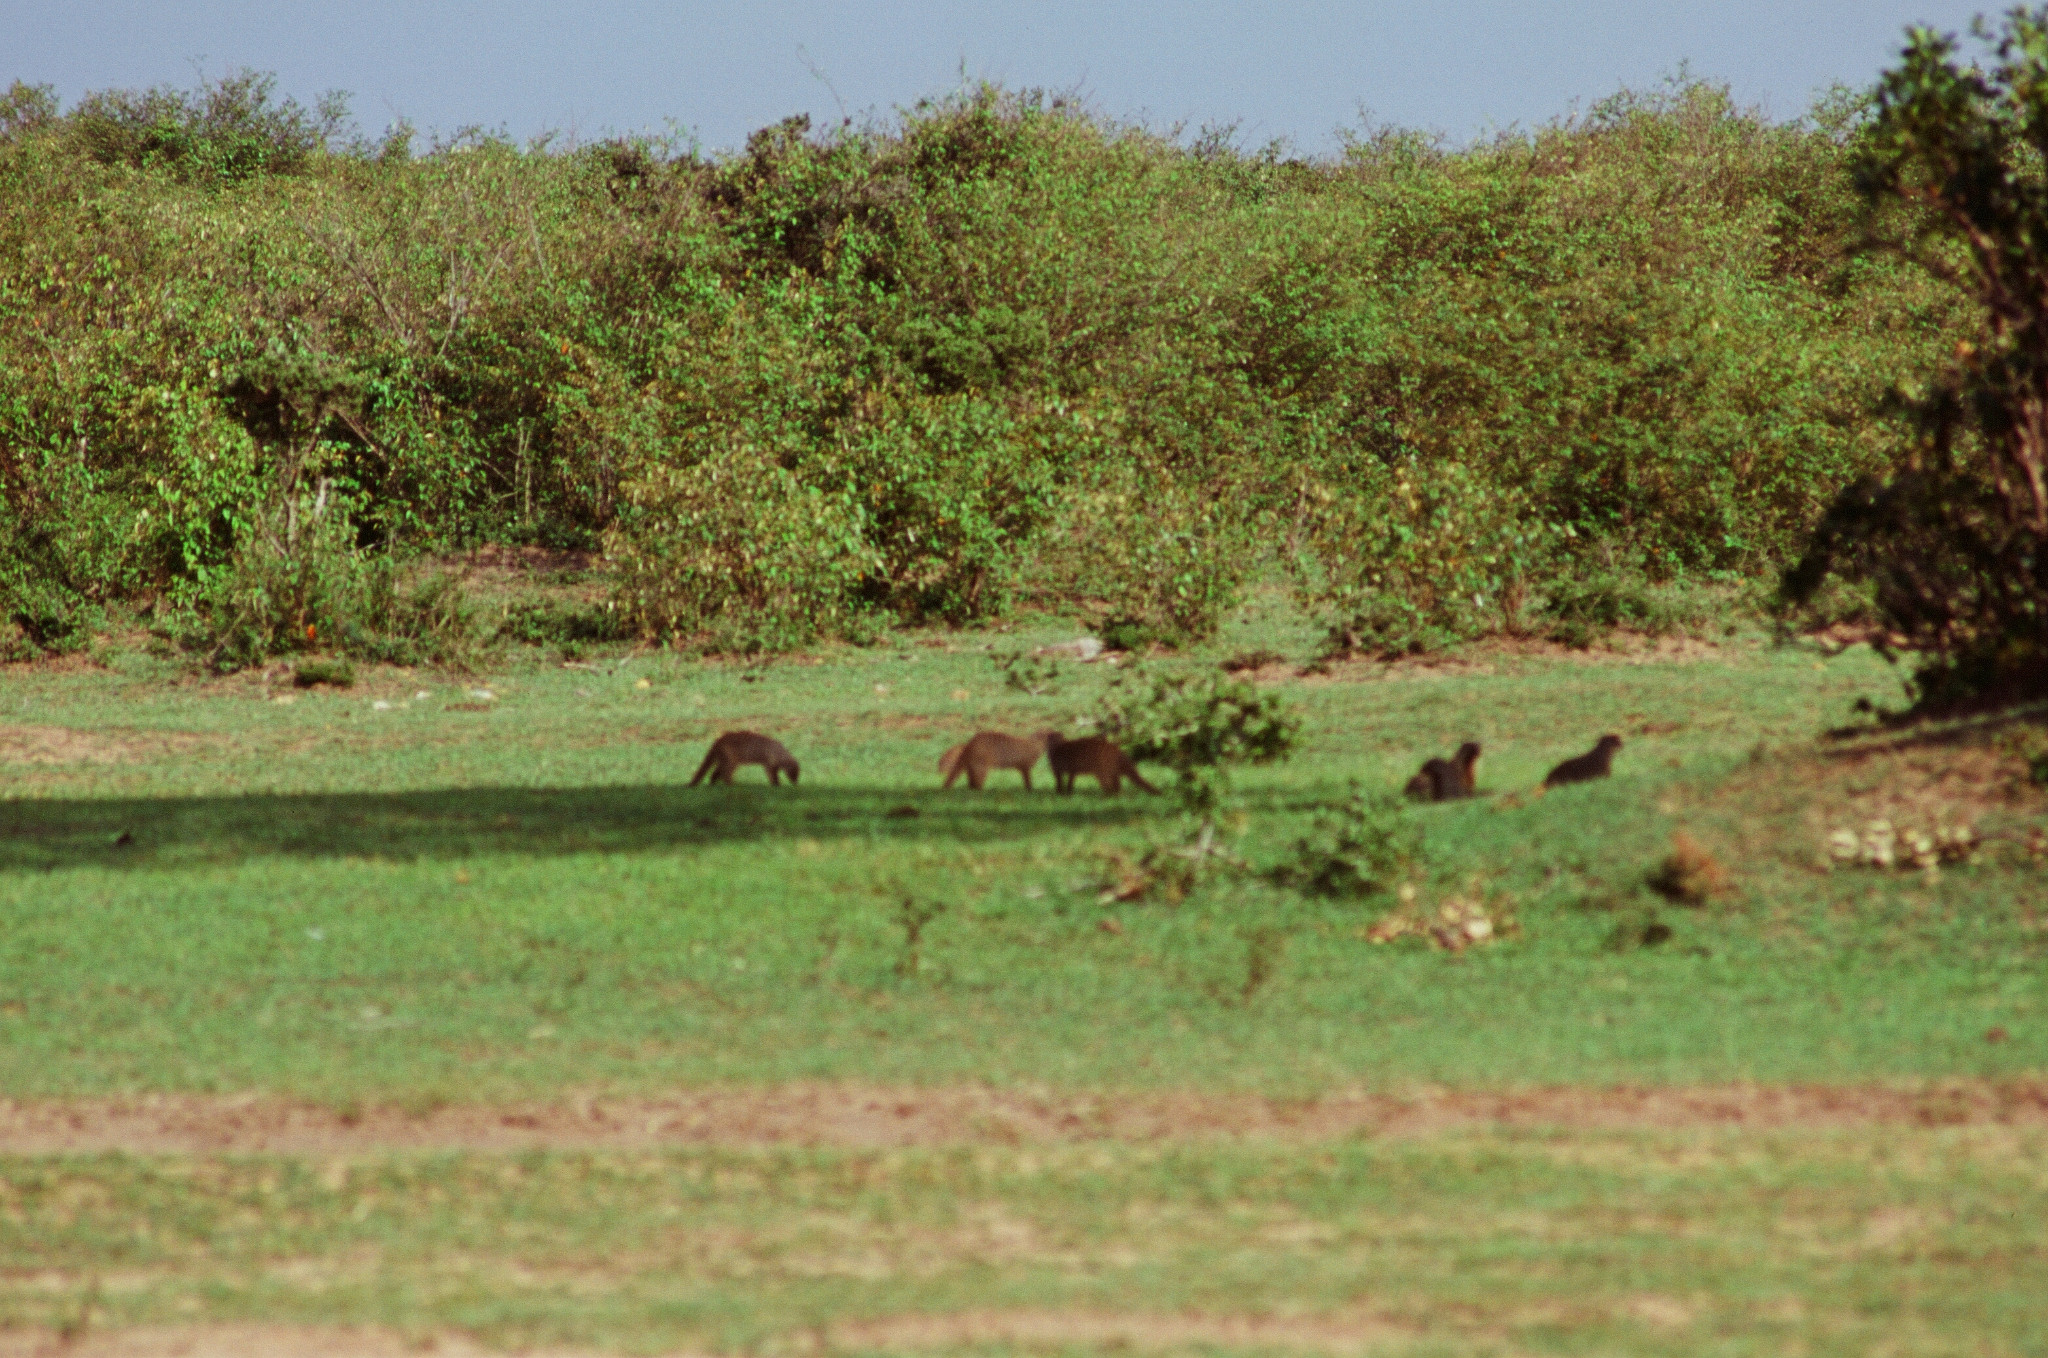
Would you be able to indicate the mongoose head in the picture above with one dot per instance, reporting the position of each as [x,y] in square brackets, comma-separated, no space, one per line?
[1608,744]
[1467,752]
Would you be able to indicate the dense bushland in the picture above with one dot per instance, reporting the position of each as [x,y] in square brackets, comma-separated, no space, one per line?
[996,350]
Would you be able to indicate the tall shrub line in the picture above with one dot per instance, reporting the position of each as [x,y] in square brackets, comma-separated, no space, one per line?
[995,350]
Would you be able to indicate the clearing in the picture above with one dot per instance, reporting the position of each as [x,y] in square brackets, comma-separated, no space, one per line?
[438,1010]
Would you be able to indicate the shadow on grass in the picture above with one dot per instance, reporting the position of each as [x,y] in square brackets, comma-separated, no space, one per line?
[145,832]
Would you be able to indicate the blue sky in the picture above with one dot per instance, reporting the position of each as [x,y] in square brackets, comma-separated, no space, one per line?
[1296,71]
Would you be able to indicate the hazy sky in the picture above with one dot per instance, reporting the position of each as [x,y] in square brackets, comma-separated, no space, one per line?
[1296,70]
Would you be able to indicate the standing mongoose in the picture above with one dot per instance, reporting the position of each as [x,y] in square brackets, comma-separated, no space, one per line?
[989,750]
[735,748]
[1443,780]
[1092,754]
[1594,763]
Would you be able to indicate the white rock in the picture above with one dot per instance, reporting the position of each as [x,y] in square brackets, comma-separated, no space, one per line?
[1083,649]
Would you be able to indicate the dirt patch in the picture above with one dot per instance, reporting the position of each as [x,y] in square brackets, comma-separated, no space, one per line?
[63,745]
[1485,657]
[248,1341]
[1795,800]
[858,1116]
[500,559]
[1343,1332]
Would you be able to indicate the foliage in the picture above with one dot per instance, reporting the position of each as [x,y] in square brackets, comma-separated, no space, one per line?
[1355,848]
[1953,534]
[1578,609]
[296,582]
[313,673]
[226,130]
[736,549]
[38,618]
[1425,558]
[994,351]
[1200,724]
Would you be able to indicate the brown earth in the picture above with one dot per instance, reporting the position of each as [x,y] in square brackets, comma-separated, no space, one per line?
[250,1340]
[1789,803]
[1485,657]
[1338,1334]
[861,1116]
[64,745]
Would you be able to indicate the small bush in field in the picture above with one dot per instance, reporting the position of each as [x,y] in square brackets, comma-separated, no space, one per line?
[1358,847]
[1201,725]
[434,621]
[314,673]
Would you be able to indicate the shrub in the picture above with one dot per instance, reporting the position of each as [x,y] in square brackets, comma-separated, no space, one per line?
[1200,725]
[38,618]
[994,349]
[314,673]
[435,621]
[1162,565]
[295,582]
[1578,609]
[227,129]
[1416,557]
[734,551]
[1360,846]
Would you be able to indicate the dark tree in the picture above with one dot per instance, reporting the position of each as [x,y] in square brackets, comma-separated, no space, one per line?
[1955,539]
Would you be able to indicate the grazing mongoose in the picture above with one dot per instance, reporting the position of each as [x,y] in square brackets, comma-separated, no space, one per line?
[1443,780]
[735,748]
[1594,763]
[989,750]
[1092,754]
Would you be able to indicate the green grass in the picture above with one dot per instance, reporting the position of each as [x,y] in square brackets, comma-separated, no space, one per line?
[468,899]
[326,899]
[1889,1240]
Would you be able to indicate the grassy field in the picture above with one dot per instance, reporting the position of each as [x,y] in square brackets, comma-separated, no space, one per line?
[408,895]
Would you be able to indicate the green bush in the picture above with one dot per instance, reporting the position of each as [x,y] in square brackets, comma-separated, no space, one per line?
[1201,725]
[314,673]
[997,350]
[1356,848]
[226,130]
[38,619]
[1577,608]
[294,582]
[736,553]
[1423,557]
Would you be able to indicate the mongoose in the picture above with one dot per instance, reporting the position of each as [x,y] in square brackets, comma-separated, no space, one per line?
[1092,754]
[994,750]
[1595,763]
[735,748]
[1442,780]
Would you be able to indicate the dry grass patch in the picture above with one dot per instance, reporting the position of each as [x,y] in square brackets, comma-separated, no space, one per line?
[879,1117]
[252,1340]
[64,745]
